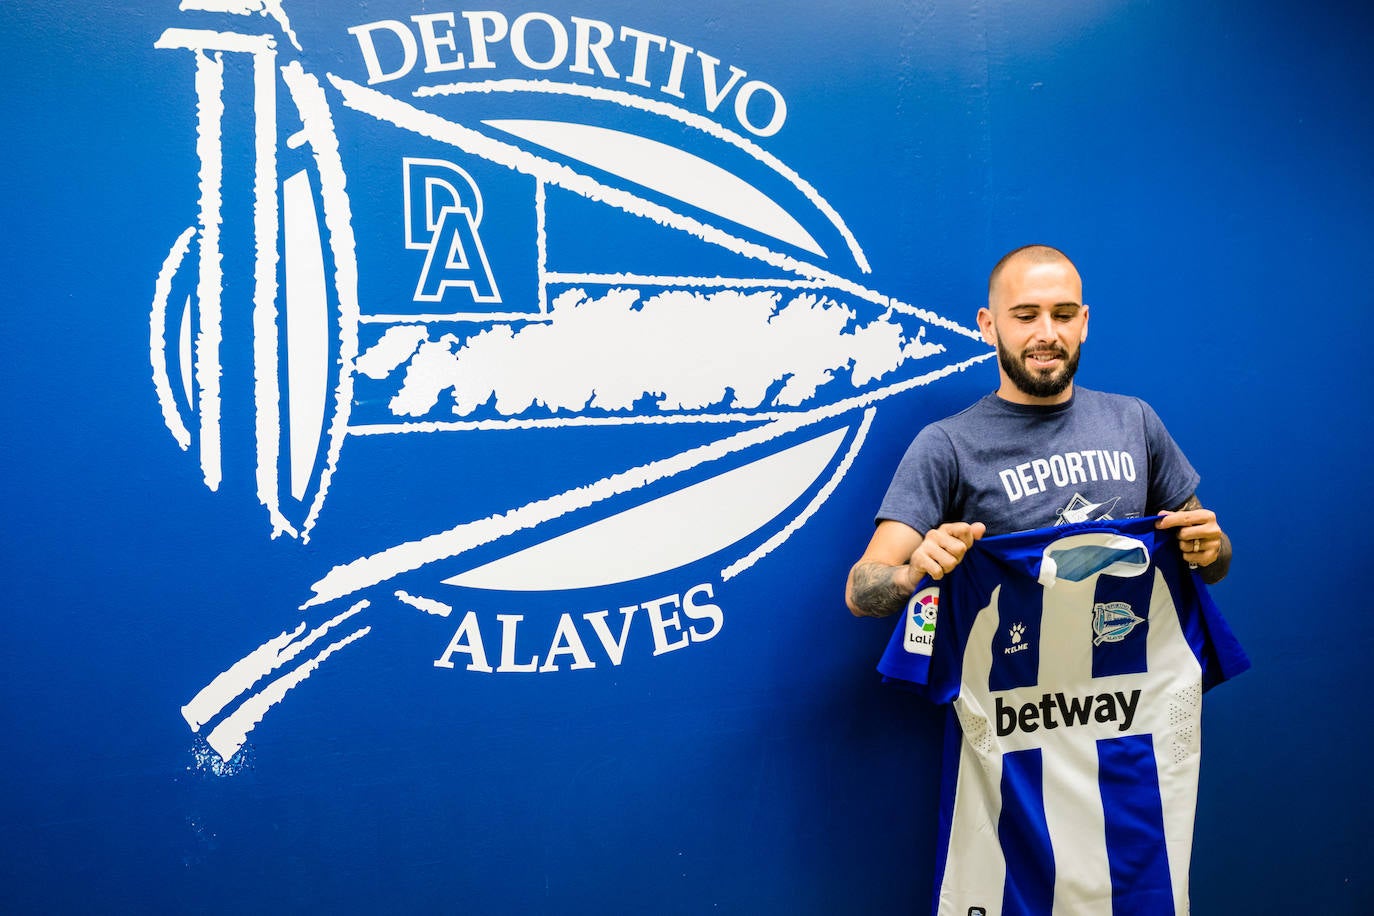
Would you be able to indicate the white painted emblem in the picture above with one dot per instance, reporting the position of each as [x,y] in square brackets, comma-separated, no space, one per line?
[779,362]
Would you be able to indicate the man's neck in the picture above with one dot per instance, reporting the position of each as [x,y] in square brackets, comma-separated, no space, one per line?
[1009,392]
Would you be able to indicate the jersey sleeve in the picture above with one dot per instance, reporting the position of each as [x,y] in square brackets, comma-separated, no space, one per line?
[1223,658]
[1216,647]
[1172,477]
[927,658]
[906,660]
[923,486]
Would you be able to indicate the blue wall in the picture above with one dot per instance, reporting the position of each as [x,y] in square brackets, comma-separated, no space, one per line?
[1208,167]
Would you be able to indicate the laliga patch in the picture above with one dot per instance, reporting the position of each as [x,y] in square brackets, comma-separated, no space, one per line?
[920,621]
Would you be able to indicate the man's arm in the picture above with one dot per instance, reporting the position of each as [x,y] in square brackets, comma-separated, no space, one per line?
[897,558]
[1203,542]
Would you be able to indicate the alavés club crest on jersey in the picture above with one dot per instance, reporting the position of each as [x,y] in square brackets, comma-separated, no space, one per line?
[544,264]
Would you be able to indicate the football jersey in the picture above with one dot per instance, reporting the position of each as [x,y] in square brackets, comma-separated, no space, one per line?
[1074,660]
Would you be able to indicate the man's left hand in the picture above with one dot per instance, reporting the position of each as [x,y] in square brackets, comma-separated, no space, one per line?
[1200,538]
[1199,535]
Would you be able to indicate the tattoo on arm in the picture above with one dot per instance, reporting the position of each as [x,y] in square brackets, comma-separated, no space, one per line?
[1215,571]
[874,592]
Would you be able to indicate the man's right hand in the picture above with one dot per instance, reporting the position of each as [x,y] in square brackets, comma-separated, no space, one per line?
[897,557]
[942,549]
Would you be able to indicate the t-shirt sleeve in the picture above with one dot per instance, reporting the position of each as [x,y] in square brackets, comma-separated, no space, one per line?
[922,489]
[1172,477]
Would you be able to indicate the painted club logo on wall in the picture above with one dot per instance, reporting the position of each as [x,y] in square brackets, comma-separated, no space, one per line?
[476,235]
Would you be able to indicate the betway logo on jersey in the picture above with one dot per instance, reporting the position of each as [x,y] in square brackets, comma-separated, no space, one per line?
[1056,709]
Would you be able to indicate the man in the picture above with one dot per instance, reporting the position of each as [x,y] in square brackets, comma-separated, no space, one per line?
[1034,453]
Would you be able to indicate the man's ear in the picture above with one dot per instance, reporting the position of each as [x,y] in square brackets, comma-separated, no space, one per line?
[985,325]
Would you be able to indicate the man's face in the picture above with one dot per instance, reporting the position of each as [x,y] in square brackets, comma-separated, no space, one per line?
[1037,320]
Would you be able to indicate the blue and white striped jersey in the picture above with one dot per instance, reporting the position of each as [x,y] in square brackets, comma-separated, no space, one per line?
[1074,659]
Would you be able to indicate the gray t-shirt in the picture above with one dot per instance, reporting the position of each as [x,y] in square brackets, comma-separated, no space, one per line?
[1015,467]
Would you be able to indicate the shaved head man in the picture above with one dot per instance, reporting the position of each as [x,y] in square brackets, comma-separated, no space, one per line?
[1036,319]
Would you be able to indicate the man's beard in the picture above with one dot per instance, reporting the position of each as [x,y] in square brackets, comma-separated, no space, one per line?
[1038,384]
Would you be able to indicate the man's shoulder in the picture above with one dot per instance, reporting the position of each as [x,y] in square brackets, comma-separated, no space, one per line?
[973,413]
[1106,397]
[1090,399]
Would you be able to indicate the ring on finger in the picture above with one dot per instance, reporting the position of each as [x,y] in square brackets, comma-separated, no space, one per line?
[1197,545]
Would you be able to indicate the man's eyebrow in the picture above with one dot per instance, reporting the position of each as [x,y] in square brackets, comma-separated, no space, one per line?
[1036,305]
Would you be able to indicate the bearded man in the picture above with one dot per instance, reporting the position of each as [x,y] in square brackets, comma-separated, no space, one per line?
[1036,452]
